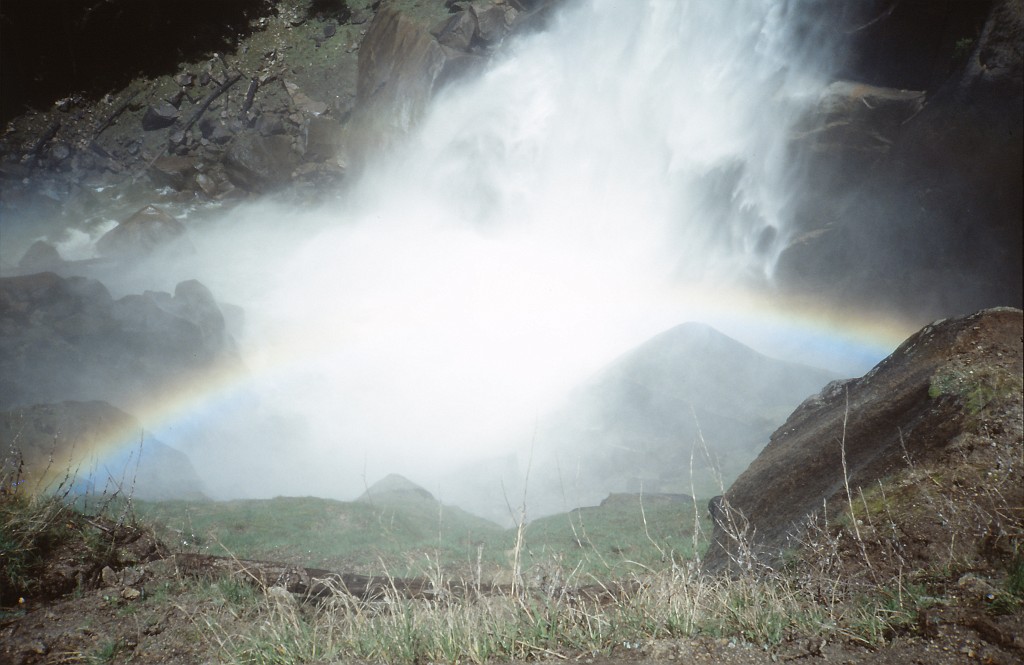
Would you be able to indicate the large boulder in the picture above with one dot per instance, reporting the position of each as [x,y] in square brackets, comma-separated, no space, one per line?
[91,446]
[948,399]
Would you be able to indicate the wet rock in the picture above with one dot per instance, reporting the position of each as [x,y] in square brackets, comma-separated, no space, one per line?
[493,22]
[457,31]
[159,116]
[207,184]
[322,139]
[258,163]
[859,118]
[401,67]
[173,171]
[146,231]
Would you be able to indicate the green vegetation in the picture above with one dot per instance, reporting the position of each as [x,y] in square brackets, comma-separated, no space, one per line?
[413,535]
[977,388]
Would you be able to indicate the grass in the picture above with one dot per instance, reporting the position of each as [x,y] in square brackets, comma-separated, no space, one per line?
[409,535]
[601,580]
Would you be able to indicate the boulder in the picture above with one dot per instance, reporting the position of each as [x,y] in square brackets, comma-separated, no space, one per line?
[259,163]
[493,20]
[148,230]
[159,116]
[950,395]
[457,31]
[322,139]
[173,171]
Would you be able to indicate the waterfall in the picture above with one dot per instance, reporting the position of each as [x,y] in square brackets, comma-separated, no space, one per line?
[591,188]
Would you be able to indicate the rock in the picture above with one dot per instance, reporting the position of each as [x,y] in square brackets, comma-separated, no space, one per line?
[995,68]
[159,116]
[493,22]
[259,163]
[146,231]
[173,171]
[109,577]
[207,185]
[215,131]
[924,404]
[457,31]
[322,139]
[130,593]
[856,118]
[41,256]
[303,102]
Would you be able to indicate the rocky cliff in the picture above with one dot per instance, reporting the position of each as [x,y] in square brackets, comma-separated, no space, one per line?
[931,438]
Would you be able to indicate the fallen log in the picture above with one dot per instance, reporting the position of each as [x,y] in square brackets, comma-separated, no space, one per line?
[316,583]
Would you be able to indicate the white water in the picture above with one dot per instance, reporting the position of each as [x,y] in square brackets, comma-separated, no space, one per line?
[599,184]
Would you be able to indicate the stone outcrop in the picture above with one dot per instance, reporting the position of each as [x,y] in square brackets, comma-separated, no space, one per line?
[68,339]
[91,446]
[949,394]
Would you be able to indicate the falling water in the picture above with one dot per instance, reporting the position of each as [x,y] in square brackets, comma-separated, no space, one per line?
[600,182]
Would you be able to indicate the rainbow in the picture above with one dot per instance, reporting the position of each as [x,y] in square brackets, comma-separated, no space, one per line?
[852,341]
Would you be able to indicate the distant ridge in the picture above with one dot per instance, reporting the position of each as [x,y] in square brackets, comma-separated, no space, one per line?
[683,413]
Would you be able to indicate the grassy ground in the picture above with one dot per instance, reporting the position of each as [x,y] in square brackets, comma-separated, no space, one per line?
[613,581]
[412,535]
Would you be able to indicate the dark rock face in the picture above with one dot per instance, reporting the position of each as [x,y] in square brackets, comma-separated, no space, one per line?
[67,339]
[46,444]
[918,195]
[910,409]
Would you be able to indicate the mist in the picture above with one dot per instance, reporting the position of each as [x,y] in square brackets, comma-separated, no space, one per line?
[602,181]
